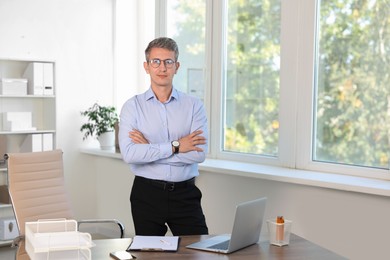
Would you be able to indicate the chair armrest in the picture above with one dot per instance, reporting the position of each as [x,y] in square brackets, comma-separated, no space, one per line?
[114,221]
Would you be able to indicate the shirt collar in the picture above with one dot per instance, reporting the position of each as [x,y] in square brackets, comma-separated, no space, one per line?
[149,94]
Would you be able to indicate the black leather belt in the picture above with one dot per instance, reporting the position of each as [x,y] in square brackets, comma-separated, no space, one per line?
[167,185]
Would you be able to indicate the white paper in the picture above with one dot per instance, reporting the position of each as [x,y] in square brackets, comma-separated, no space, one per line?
[155,243]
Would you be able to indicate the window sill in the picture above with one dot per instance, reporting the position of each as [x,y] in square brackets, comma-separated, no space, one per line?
[310,178]
[105,153]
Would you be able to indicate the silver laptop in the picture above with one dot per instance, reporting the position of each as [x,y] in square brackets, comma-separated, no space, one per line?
[246,229]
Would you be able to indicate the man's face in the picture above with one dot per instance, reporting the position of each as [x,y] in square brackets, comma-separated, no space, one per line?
[161,76]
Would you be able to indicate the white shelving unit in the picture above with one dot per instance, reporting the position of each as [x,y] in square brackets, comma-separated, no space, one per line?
[43,111]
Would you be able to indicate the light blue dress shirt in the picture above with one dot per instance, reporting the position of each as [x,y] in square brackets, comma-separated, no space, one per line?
[162,123]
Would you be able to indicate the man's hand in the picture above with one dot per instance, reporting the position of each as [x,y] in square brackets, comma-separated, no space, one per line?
[137,137]
[191,142]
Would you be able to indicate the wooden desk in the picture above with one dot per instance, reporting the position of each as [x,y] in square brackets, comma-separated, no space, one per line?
[299,248]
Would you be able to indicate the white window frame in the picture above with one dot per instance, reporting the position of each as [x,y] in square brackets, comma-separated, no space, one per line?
[305,82]
[287,112]
[298,42]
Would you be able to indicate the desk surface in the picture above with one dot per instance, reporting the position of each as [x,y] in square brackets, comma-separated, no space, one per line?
[299,248]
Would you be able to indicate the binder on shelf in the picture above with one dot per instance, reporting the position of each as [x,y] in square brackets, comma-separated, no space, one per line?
[37,143]
[47,142]
[40,78]
[48,80]
[34,74]
[32,143]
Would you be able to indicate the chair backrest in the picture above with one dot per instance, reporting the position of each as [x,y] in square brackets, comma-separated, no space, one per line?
[37,187]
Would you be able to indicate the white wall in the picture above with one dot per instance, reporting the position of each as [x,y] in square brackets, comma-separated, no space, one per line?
[133,31]
[77,35]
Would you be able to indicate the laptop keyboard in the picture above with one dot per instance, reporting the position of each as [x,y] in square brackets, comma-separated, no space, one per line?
[222,246]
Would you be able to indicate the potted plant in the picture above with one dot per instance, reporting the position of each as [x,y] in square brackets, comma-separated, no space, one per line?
[101,124]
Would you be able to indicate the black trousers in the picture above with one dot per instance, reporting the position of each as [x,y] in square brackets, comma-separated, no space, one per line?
[156,204]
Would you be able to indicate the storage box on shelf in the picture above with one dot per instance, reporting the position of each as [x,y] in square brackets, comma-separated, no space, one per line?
[13,87]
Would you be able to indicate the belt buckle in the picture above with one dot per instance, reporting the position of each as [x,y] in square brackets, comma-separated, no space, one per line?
[170,186]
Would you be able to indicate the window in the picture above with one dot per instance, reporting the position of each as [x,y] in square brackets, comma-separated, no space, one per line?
[251,79]
[300,83]
[352,113]
[186,23]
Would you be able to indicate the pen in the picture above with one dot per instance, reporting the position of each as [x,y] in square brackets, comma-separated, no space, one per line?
[128,248]
[165,242]
[151,249]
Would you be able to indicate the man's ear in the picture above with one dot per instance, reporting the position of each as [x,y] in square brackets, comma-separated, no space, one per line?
[177,64]
[146,67]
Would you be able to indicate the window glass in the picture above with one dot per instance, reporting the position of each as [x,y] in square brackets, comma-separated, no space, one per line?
[186,24]
[251,77]
[352,113]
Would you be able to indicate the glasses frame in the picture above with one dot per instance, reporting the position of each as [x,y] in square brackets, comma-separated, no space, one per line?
[158,62]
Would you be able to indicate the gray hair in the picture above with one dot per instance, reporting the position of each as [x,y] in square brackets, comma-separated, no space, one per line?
[164,43]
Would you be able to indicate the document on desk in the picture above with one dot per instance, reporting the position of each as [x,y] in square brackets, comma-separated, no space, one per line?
[154,243]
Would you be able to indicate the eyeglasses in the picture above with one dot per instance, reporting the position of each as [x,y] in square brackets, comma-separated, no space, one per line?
[155,63]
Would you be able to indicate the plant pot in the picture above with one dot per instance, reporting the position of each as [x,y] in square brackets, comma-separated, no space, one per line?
[107,140]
